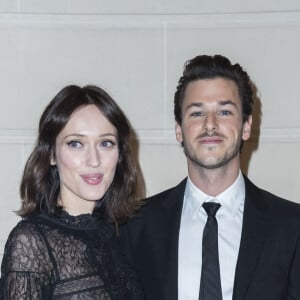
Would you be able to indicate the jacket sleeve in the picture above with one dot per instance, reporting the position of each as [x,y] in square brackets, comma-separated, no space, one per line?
[294,280]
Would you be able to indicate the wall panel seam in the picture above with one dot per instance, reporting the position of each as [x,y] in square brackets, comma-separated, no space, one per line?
[161,136]
[94,21]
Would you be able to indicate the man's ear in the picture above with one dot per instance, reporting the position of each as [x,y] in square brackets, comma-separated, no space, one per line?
[178,132]
[247,129]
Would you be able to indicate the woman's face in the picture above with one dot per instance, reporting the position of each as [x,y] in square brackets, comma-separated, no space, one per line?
[86,156]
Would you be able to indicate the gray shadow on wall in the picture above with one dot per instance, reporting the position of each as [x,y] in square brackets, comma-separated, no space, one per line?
[252,144]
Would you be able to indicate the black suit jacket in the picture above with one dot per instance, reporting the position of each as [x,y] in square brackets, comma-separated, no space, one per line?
[268,266]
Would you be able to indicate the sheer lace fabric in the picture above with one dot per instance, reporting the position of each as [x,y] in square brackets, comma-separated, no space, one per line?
[65,257]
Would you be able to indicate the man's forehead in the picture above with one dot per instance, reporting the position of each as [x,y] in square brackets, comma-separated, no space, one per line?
[219,91]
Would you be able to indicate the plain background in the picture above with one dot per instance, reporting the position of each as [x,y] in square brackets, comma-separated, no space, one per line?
[136,50]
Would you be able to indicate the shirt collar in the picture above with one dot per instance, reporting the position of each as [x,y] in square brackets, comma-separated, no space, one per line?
[231,200]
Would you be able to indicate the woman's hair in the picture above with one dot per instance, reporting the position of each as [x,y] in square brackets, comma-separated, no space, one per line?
[40,185]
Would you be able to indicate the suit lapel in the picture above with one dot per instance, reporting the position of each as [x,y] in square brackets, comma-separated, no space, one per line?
[254,234]
[172,212]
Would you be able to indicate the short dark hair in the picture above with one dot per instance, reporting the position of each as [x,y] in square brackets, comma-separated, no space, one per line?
[40,183]
[210,67]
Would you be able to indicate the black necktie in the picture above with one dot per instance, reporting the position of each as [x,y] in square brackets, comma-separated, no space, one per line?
[210,286]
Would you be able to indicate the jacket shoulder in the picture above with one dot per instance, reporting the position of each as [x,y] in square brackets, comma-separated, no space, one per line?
[276,205]
[165,197]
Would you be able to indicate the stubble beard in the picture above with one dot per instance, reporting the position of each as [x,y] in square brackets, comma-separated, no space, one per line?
[219,163]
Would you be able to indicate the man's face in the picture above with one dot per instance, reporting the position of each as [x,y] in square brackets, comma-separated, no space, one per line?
[212,127]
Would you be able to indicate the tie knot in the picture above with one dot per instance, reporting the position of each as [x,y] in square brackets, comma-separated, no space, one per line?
[211,208]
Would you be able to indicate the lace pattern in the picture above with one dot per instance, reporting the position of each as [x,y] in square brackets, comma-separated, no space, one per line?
[64,257]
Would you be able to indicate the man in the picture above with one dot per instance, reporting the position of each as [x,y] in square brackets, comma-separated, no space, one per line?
[256,252]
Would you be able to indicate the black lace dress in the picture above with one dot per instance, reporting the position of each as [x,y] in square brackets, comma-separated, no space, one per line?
[64,257]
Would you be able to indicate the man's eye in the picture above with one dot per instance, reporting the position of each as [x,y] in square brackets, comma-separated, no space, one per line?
[74,144]
[197,114]
[225,113]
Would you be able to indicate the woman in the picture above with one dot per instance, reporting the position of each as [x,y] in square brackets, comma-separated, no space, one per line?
[81,176]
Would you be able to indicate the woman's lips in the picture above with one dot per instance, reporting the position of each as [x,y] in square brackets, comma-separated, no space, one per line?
[92,179]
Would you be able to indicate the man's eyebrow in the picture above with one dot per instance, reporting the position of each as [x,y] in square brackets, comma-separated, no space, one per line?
[194,104]
[227,102]
[221,102]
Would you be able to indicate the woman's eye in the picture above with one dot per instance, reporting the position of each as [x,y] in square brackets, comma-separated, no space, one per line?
[107,144]
[74,144]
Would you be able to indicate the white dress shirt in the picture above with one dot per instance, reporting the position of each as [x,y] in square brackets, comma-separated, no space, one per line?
[193,219]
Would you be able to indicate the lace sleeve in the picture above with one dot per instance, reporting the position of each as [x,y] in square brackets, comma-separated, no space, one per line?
[25,266]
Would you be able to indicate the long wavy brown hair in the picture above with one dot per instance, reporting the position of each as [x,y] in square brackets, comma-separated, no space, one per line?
[40,185]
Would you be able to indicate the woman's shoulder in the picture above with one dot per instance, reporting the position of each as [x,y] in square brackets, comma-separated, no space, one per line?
[25,230]
[24,247]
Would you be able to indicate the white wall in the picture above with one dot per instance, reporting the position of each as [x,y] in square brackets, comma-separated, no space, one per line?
[136,50]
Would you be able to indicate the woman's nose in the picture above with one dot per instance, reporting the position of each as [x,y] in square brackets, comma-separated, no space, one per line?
[93,159]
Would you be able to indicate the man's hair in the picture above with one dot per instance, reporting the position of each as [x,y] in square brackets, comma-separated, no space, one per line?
[210,67]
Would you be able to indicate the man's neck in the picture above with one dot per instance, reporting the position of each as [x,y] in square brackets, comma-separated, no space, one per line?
[213,181]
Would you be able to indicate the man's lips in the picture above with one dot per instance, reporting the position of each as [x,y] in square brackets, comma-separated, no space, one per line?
[92,179]
[210,140]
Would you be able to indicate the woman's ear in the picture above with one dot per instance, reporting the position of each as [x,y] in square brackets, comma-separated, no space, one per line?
[52,159]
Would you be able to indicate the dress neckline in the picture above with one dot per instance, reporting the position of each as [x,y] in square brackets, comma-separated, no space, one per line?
[81,223]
